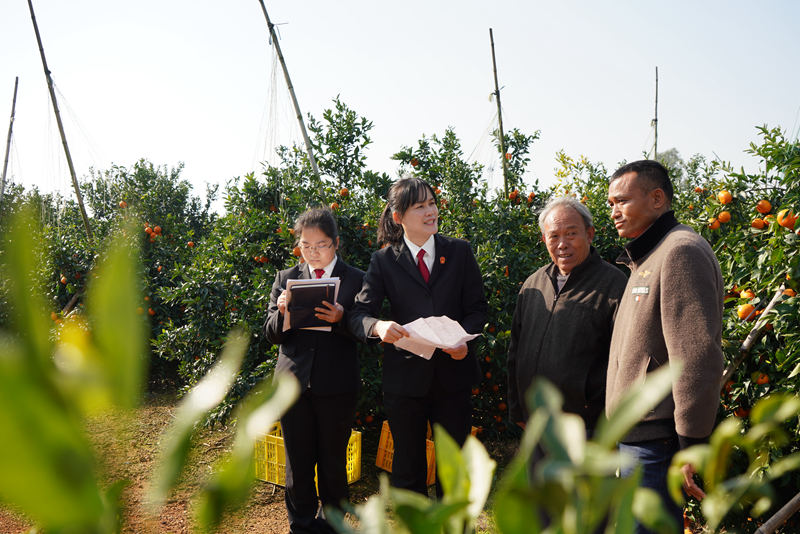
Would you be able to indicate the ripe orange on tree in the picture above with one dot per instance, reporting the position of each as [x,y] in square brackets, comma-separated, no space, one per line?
[63,279]
[344,192]
[296,251]
[724,197]
[123,204]
[190,244]
[787,219]
[699,189]
[335,206]
[713,223]
[758,224]
[151,311]
[789,292]
[157,230]
[414,162]
[762,379]
[763,206]
[745,310]
[747,294]
[724,217]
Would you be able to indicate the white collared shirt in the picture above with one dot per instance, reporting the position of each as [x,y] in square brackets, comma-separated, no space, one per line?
[328,269]
[430,251]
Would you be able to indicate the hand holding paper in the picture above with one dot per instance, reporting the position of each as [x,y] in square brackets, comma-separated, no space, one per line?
[429,333]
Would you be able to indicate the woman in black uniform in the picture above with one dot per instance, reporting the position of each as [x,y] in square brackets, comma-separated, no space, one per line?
[421,273]
[316,428]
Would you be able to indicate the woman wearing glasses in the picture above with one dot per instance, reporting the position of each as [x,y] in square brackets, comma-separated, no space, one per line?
[421,273]
[316,428]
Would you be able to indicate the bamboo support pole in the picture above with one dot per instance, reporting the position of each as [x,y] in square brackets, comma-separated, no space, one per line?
[754,335]
[499,118]
[8,143]
[61,126]
[307,141]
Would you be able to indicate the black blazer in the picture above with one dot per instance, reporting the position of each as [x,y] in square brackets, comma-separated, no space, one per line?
[326,360]
[454,289]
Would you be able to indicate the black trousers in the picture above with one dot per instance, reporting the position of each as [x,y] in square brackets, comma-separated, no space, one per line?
[408,419]
[316,430]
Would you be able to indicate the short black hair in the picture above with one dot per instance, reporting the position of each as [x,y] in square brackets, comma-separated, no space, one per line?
[321,218]
[654,173]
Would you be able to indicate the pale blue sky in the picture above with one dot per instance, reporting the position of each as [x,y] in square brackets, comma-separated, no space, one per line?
[179,80]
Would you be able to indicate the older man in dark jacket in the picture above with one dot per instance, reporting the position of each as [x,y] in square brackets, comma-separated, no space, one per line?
[564,317]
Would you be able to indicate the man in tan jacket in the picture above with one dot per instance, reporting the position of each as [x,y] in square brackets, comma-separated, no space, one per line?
[671,312]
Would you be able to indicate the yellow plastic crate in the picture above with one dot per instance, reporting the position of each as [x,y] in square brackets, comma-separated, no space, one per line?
[270,457]
[386,452]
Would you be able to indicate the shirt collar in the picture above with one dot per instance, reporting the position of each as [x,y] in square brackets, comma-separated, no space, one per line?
[328,269]
[429,247]
[639,247]
[592,258]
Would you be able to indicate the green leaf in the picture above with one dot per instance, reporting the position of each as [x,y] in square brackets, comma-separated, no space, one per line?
[119,331]
[623,516]
[649,511]
[20,264]
[481,470]
[46,462]
[207,394]
[696,455]
[635,405]
[721,445]
[515,510]
[229,486]
[775,408]
[450,466]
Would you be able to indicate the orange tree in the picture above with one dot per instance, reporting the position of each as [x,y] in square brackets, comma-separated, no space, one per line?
[757,247]
[228,280]
[504,235]
[156,197]
[738,213]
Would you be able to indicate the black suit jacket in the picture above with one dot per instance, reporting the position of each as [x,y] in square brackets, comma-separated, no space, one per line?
[454,289]
[326,360]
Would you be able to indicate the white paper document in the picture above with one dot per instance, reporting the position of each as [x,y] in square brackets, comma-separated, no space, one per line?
[426,334]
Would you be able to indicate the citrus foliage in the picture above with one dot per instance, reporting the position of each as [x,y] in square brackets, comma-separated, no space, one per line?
[203,275]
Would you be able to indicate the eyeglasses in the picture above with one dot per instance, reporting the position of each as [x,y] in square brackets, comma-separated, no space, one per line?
[318,246]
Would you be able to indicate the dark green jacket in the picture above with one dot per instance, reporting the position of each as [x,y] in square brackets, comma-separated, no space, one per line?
[564,337]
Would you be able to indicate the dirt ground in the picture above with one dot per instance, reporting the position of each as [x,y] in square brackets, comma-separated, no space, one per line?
[127,449]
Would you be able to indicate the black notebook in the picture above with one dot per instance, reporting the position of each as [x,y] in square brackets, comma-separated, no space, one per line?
[305,297]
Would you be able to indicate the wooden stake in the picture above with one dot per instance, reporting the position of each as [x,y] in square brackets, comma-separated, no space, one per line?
[8,143]
[61,127]
[274,37]
[499,119]
[655,122]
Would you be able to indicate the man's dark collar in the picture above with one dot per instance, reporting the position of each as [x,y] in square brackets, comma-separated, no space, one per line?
[593,257]
[642,245]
